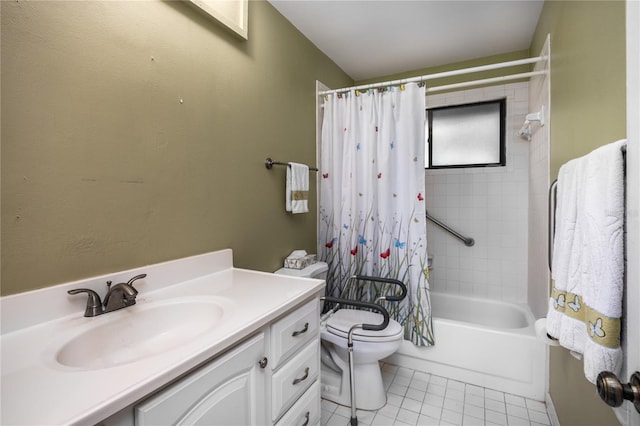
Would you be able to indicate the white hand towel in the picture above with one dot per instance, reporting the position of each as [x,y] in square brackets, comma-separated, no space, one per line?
[297,188]
[588,260]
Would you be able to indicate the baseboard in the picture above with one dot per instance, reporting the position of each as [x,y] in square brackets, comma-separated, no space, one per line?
[551,411]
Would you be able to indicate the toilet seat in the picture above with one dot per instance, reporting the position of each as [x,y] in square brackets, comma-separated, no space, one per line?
[340,323]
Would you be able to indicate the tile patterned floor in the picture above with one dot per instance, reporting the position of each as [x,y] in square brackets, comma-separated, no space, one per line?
[417,398]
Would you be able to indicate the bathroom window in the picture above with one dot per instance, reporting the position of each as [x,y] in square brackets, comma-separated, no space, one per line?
[470,135]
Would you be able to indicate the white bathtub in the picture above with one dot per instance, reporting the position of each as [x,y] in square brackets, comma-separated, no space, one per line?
[483,342]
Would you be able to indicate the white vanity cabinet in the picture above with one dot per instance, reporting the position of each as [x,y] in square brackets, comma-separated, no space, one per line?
[271,378]
[228,391]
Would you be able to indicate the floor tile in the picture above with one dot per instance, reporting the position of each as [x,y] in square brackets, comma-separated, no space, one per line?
[454,394]
[517,421]
[416,394]
[407,416]
[393,399]
[412,405]
[453,384]
[472,421]
[389,411]
[495,417]
[453,405]
[474,411]
[513,410]
[452,417]
[438,380]
[539,417]
[536,405]
[476,400]
[474,390]
[515,400]
[428,421]
[402,380]
[493,394]
[419,384]
[406,372]
[436,400]
[437,389]
[416,398]
[431,411]
[492,404]
[398,389]
[337,420]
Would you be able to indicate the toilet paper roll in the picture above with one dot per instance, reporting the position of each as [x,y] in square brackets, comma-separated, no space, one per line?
[541,333]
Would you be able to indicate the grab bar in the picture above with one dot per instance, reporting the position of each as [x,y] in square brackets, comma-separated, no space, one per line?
[466,240]
[403,287]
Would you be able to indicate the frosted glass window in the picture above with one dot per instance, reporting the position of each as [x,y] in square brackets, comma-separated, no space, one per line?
[470,135]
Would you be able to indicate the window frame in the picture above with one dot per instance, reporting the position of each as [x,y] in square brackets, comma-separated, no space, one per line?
[502,102]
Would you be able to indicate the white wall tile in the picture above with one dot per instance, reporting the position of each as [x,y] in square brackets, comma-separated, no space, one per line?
[487,204]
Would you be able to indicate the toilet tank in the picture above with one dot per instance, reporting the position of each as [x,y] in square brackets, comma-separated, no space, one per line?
[317,270]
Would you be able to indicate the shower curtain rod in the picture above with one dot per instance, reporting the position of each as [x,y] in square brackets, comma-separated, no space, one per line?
[450,74]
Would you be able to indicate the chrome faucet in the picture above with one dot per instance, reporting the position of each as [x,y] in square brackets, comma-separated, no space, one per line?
[118,296]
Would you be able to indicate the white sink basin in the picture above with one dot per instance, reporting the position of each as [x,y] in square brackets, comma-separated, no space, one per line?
[141,331]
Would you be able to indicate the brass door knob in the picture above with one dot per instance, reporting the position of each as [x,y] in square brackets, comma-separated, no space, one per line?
[613,393]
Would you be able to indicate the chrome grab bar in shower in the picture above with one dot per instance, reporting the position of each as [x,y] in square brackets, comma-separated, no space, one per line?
[466,240]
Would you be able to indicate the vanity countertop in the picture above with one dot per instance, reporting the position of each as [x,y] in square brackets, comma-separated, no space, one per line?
[37,389]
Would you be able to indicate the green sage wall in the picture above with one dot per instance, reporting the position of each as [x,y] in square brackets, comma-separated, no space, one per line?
[136,132]
[587,111]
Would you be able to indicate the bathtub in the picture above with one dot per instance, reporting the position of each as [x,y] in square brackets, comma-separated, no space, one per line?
[483,342]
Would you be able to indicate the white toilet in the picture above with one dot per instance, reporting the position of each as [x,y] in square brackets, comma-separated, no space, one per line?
[369,347]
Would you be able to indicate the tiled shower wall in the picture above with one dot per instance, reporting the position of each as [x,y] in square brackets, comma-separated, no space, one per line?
[489,204]
[539,275]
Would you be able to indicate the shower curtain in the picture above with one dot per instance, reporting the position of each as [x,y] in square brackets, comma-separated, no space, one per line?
[371,211]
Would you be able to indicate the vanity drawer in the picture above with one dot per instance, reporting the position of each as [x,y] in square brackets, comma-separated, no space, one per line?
[290,333]
[306,411]
[294,378]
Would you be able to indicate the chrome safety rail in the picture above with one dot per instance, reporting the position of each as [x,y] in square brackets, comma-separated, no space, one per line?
[466,240]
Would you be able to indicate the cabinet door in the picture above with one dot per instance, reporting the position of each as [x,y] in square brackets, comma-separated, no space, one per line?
[228,391]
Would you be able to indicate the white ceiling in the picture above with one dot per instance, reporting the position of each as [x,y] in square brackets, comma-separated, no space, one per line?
[375,38]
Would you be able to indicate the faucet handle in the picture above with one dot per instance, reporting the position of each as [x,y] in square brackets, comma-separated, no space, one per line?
[137,277]
[94,305]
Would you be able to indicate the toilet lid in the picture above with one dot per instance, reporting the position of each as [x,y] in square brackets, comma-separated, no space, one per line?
[340,323]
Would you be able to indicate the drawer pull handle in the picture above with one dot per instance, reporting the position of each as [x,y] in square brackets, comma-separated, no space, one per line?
[303,378]
[306,419]
[304,330]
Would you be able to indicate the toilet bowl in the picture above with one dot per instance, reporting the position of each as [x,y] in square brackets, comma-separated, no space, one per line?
[369,347]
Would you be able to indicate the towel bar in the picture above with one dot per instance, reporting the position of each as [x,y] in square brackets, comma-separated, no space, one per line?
[553,194]
[269,163]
